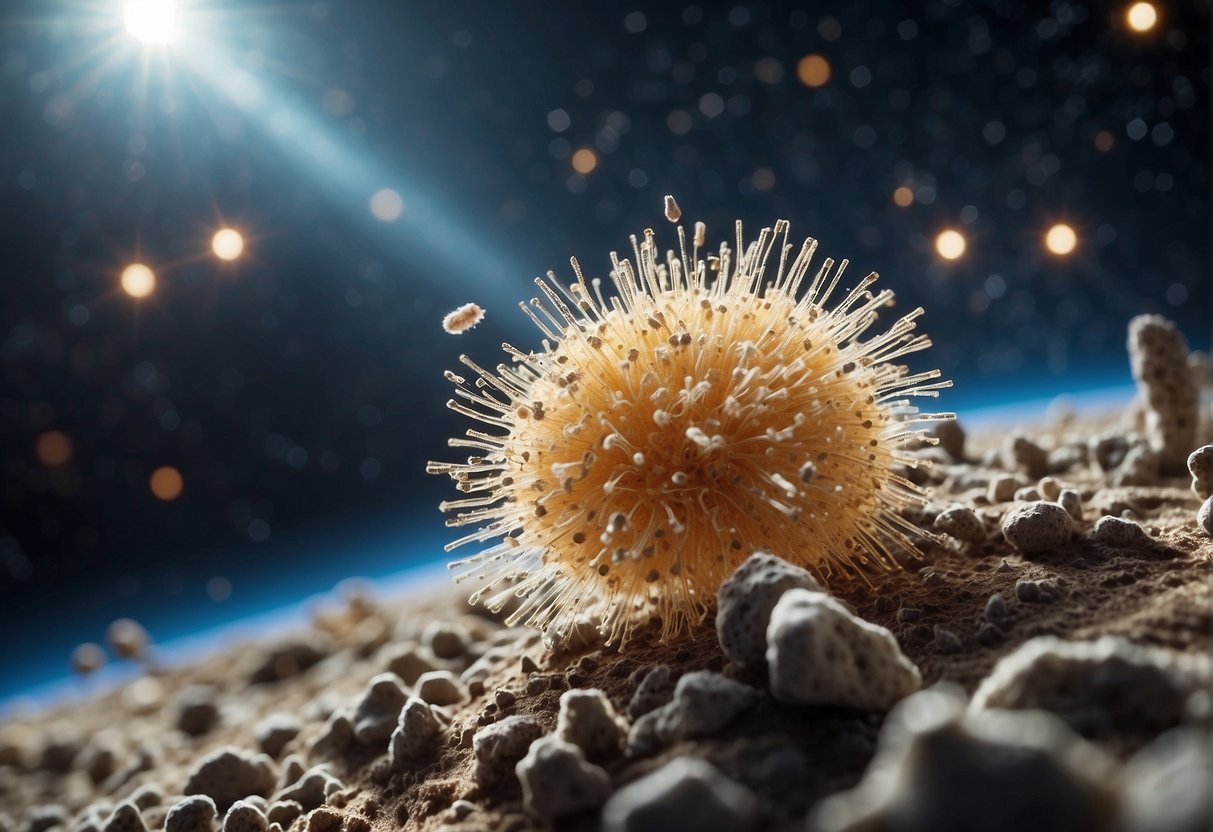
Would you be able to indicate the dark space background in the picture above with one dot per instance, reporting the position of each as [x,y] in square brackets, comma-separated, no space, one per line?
[298,390]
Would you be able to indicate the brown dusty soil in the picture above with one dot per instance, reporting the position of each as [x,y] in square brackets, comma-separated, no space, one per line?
[1156,594]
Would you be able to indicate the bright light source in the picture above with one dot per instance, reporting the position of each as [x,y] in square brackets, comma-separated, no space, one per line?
[138,280]
[950,244]
[151,21]
[227,244]
[1141,17]
[386,205]
[1061,239]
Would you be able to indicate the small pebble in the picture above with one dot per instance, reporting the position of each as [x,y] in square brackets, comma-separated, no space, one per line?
[589,721]
[88,658]
[557,781]
[1113,531]
[686,793]
[192,814]
[961,523]
[1027,591]
[1071,501]
[988,634]
[1026,455]
[1037,527]
[244,817]
[946,642]
[229,774]
[127,638]
[820,653]
[907,614]
[380,706]
[417,733]
[1200,466]
[1204,517]
[126,818]
[1049,488]
[311,790]
[745,600]
[197,711]
[996,607]
[439,687]
[500,746]
[275,731]
[444,640]
[1002,489]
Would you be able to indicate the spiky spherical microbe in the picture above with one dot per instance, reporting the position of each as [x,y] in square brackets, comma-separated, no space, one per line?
[665,433]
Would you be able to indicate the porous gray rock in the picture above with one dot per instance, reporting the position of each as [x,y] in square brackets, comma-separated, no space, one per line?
[197,710]
[1071,501]
[962,523]
[1165,786]
[439,687]
[685,793]
[558,781]
[282,812]
[127,638]
[1037,527]
[444,640]
[704,702]
[1200,466]
[589,721]
[940,769]
[276,730]
[821,654]
[1097,687]
[1049,488]
[46,816]
[1120,534]
[196,813]
[951,438]
[1158,355]
[417,733]
[654,690]
[229,774]
[244,816]
[745,600]
[1140,465]
[1002,489]
[1022,453]
[499,746]
[1109,449]
[126,818]
[311,790]
[1204,516]
[88,658]
[379,709]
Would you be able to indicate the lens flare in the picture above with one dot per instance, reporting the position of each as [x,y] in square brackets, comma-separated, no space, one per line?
[228,244]
[1061,239]
[950,244]
[138,280]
